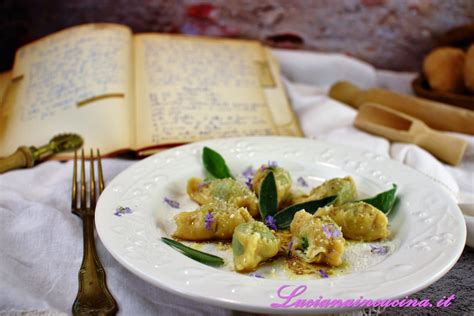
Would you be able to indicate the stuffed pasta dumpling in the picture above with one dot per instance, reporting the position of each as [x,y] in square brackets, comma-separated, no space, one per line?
[252,243]
[228,190]
[214,220]
[359,220]
[317,239]
[344,188]
[282,179]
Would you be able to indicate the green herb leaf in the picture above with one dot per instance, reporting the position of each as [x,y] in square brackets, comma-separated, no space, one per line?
[194,254]
[268,199]
[215,165]
[284,217]
[383,201]
[304,243]
[391,215]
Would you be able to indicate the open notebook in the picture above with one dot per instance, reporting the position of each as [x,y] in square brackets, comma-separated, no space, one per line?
[124,92]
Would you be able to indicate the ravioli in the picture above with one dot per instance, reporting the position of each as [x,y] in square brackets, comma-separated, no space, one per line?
[227,208]
[344,188]
[282,179]
[317,239]
[214,220]
[252,243]
[359,220]
[228,190]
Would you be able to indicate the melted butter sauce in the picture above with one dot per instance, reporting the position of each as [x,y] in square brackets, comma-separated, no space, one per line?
[292,267]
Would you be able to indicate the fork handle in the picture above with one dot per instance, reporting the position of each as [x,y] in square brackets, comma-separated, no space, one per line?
[93,296]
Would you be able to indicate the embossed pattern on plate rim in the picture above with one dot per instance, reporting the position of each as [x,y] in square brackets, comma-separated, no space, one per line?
[429,249]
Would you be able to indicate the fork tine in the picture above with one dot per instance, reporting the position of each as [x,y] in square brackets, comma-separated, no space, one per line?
[101,176]
[74,184]
[83,182]
[92,181]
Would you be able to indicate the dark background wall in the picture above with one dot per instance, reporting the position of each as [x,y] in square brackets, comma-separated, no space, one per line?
[391,34]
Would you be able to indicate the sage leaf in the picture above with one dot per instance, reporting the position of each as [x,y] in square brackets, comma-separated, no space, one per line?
[197,255]
[268,199]
[384,201]
[391,215]
[284,217]
[215,164]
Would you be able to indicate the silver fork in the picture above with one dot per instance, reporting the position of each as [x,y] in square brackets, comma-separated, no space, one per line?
[93,297]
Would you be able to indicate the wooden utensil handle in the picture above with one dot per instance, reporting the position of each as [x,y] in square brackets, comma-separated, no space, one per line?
[445,147]
[21,158]
[436,115]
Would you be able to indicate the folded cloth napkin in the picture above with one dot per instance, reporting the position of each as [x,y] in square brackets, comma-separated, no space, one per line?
[41,241]
[326,119]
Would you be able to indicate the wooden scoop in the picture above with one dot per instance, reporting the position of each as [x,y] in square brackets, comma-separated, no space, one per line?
[436,115]
[397,126]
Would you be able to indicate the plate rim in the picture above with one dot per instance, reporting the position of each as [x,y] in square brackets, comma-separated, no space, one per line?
[237,305]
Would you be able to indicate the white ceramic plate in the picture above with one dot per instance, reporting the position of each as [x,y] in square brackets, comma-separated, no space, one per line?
[428,229]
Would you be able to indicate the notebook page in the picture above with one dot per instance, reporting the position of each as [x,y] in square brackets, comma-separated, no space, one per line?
[285,119]
[193,88]
[77,80]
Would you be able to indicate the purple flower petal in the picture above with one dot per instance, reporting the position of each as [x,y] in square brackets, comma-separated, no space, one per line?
[272,164]
[323,274]
[248,183]
[336,233]
[326,231]
[256,275]
[208,220]
[270,222]
[249,172]
[331,231]
[380,250]
[302,182]
[119,211]
[170,202]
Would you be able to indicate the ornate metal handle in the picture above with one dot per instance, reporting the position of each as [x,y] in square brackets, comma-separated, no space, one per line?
[93,295]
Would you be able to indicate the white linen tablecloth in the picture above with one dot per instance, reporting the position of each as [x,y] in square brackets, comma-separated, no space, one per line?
[41,241]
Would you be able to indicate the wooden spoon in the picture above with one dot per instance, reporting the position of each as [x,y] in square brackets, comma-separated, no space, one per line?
[397,126]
